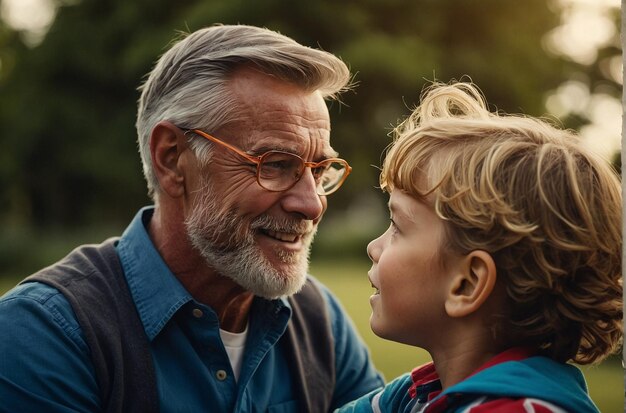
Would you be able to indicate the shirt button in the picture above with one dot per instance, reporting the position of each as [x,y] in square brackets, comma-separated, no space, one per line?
[197,313]
[221,375]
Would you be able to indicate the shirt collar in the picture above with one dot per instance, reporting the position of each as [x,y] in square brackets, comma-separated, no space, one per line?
[155,289]
[426,384]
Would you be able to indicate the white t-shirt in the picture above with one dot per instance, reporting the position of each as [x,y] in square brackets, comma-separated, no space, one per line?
[235,344]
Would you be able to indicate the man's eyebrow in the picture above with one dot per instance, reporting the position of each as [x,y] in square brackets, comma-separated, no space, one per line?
[331,153]
[262,149]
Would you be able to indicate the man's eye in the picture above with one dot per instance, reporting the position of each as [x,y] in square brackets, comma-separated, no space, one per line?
[279,165]
[320,172]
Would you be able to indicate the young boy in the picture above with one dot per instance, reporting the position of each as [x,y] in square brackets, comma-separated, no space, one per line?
[502,260]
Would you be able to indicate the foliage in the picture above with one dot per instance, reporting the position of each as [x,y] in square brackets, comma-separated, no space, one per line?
[67,106]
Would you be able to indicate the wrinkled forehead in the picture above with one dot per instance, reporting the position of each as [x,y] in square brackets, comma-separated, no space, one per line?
[275,115]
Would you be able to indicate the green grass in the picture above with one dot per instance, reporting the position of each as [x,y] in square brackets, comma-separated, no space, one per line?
[348,280]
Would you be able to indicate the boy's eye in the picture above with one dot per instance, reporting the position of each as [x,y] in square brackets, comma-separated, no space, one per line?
[392,225]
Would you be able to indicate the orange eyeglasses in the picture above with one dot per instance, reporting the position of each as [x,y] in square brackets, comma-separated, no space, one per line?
[279,171]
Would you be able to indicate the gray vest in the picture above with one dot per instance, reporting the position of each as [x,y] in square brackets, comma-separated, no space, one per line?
[92,280]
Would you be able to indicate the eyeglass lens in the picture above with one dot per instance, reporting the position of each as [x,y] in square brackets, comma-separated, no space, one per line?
[279,171]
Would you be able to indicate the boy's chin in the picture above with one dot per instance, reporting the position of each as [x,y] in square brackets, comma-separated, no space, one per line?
[378,329]
[382,332]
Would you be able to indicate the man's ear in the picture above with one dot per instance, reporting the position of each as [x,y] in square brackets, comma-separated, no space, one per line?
[167,143]
[471,284]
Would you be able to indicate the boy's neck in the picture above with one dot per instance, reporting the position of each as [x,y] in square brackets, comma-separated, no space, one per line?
[458,361]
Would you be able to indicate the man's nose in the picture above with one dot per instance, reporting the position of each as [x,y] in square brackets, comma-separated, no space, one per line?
[303,199]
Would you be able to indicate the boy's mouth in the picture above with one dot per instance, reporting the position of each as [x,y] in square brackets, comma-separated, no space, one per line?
[376,290]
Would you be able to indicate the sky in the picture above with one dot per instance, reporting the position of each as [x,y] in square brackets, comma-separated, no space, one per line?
[585,26]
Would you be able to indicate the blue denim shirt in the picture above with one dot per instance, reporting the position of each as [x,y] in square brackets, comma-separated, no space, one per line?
[45,364]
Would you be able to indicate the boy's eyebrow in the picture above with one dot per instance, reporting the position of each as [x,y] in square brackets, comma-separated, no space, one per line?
[393,208]
[405,214]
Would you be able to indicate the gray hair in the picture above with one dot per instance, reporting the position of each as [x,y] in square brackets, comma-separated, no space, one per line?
[188,84]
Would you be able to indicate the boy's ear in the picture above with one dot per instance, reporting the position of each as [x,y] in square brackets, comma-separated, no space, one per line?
[471,284]
[167,143]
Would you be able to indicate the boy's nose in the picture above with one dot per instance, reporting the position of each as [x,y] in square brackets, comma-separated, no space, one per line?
[373,250]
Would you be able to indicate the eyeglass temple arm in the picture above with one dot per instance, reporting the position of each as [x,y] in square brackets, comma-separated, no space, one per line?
[257,159]
[251,158]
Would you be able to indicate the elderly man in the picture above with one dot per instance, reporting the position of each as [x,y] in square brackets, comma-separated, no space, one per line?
[204,303]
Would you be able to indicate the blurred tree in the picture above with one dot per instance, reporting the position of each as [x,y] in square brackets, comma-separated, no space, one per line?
[67,106]
[590,99]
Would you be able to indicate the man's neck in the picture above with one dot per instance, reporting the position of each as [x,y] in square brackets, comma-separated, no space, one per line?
[229,300]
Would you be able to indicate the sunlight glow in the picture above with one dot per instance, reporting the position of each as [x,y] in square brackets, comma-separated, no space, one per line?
[572,97]
[583,31]
[31,17]
[586,26]
[603,135]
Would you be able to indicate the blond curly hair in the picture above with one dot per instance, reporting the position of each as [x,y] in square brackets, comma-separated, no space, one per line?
[547,209]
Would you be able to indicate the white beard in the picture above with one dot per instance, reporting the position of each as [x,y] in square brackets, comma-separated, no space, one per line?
[227,244]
